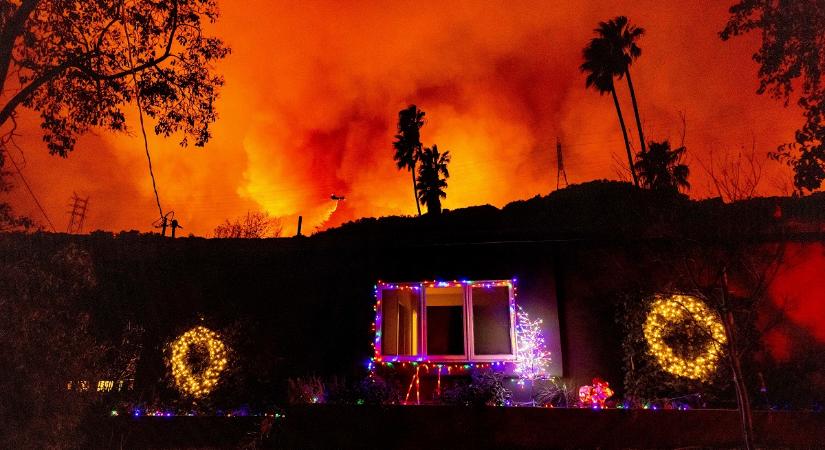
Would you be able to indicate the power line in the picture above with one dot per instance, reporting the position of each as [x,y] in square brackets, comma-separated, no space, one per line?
[140,116]
[31,192]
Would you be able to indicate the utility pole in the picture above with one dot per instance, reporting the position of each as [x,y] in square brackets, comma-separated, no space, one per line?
[77,214]
[175,225]
[560,172]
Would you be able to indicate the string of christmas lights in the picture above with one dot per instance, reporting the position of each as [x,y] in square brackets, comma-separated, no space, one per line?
[188,382]
[666,312]
[532,357]
[448,366]
[379,359]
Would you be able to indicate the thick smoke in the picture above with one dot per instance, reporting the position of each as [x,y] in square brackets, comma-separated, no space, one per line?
[313,90]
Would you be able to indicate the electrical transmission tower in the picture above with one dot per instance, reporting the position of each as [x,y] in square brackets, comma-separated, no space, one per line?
[560,172]
[78,214]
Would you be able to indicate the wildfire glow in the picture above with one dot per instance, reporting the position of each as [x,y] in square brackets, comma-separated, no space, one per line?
[313,89]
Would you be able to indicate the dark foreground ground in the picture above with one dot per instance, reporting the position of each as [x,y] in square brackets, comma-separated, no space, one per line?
[437,427]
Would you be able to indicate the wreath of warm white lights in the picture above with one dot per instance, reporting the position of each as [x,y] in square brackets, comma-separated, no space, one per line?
[666,312]
[200,384]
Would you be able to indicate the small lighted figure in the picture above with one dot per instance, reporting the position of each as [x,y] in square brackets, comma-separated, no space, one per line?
[595,395]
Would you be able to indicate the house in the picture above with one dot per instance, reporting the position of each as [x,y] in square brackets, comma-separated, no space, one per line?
[292,307]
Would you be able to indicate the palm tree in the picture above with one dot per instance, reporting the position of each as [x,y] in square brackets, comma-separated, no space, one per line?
[432,178]
[601,65]
[407,143]
[622,38]
[661,168]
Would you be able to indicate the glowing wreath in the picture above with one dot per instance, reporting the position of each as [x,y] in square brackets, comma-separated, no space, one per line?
[201,383]
[666,312]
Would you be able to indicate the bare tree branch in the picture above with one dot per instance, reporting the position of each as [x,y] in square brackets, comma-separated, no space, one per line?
[734,178]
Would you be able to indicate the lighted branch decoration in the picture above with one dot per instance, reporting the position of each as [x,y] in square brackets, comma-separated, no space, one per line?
[189,380]
[532,357]
[667,313]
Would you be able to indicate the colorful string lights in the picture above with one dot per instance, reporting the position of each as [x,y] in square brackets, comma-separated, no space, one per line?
[531,359]
[666,312]
[379,359]
[202,383]
[420,364]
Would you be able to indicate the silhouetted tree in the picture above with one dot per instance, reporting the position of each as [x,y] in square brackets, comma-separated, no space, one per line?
[734,177]
[661,168]
[754,271]
[47,341]
[407,142]
[254,225]
[432,178]
[702,269]
[622,38]
[9,221]
[790,57]
[78,63]
[601,65]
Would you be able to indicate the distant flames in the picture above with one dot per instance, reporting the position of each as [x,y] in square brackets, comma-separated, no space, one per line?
[313,92]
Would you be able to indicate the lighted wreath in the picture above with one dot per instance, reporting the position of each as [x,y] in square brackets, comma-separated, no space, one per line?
[683,313]
[201,380]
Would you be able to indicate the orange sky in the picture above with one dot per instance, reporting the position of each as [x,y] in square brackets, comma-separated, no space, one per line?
[313,90]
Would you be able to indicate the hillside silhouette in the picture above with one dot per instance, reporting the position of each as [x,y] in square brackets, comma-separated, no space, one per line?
[599,210]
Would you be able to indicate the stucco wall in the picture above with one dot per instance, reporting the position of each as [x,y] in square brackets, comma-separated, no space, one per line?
[294,307]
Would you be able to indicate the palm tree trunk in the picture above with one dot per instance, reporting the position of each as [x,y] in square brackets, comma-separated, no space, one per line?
[434,207]
[415,190]
[624,133]
[636,110]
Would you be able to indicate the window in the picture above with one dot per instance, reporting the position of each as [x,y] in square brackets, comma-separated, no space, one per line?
[445,320]
[439,321]
[491,320]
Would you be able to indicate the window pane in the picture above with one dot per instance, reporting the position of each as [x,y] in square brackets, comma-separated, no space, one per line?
[399,322]
[445,320]
[491,320]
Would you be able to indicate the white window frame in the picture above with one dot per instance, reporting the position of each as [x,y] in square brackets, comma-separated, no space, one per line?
[469,355]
